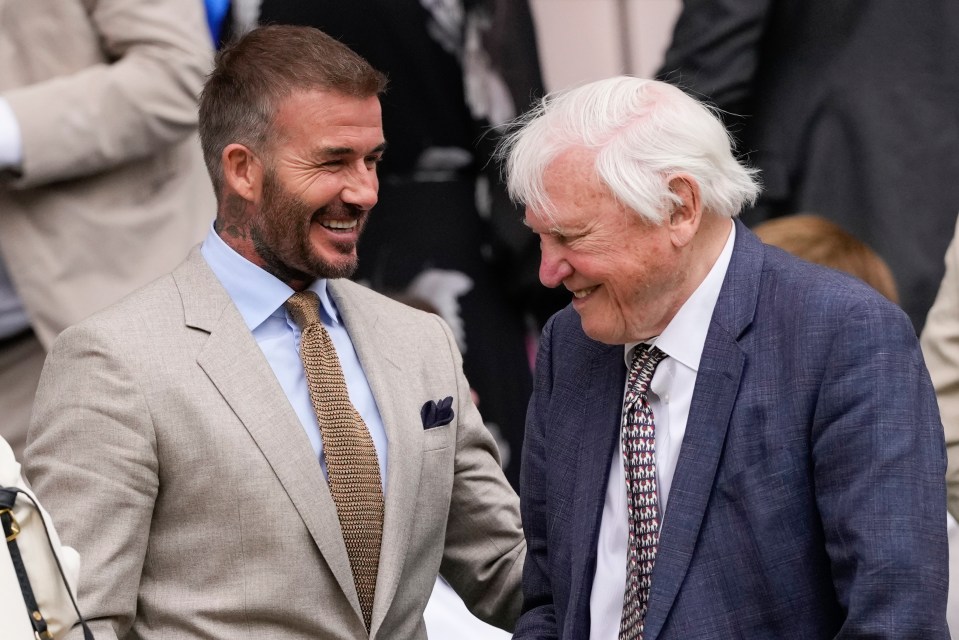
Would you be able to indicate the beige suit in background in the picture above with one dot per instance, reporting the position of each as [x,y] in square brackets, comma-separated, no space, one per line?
[113,191]
[205,511]
[940,348]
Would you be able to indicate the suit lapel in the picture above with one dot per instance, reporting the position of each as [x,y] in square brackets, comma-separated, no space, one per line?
[602,411]
[713,399]
[236,366]
[368,332]
[717,385]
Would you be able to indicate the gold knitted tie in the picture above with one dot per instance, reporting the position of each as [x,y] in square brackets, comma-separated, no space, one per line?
[351,462]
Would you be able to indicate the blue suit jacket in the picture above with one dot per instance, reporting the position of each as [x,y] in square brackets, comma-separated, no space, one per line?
[808,501]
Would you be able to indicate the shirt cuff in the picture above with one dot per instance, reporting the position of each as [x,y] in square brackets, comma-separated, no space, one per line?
[11,143]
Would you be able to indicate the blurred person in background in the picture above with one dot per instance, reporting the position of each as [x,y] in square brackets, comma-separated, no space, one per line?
[849,109]
[820,241]
[102,184]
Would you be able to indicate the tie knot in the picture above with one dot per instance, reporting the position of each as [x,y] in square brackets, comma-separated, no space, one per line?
[645,359]
[304,306]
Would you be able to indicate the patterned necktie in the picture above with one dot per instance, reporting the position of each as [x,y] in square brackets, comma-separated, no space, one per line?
[642,499]
[351,462]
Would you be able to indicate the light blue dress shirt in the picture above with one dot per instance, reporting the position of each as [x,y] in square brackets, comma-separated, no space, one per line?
[260,297]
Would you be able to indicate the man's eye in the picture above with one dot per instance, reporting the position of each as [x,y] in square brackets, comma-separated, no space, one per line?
[553,238]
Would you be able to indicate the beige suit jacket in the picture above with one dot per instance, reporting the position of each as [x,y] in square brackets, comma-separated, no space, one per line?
[173,462]
[113,191]
[940,348]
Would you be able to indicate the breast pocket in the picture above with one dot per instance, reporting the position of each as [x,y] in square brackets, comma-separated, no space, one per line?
[438,437]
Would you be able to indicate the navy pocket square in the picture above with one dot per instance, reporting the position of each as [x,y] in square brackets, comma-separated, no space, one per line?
[437,415]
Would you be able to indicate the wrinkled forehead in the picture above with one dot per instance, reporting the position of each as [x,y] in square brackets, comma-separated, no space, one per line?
[321,118]
[571,187]
[572,175]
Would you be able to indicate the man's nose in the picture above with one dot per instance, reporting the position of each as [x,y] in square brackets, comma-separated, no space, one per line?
[553,267]
[361,188]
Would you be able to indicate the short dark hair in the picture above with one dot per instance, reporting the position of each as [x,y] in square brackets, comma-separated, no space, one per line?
[255,73]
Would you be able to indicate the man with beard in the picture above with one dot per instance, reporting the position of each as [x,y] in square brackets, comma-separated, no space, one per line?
[254,446]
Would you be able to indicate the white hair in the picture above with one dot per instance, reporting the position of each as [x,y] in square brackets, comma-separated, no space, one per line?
[642,132]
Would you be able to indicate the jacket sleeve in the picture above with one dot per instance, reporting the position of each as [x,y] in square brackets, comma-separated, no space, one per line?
[940,347]
[143,95]
[484,548]
[92,459]
[538,620]
[878,463]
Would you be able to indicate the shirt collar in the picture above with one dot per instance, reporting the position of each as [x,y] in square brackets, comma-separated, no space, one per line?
[256,293]
[685,336]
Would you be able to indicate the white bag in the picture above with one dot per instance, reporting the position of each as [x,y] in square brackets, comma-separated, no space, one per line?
[55,602]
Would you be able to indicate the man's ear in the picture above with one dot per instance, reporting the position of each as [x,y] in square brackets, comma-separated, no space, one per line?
[242,171]
[685,217]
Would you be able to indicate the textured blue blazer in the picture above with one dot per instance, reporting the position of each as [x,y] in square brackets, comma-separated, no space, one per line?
[808,501]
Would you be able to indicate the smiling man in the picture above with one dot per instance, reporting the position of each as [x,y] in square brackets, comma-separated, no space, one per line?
[254,446]
[723,441]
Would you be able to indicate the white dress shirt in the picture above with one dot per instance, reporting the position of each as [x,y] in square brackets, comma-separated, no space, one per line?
[260,298]
[11,144]
[670,395]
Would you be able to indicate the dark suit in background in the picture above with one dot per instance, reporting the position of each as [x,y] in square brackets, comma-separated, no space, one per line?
[849,109]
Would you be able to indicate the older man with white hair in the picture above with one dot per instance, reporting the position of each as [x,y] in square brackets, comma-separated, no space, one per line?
[723,441]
